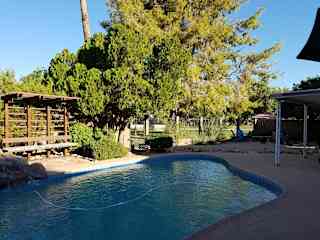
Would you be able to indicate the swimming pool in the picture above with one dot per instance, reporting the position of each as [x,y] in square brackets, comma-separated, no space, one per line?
[168,197]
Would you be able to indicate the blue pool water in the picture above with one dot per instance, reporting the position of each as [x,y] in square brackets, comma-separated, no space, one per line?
[158,199]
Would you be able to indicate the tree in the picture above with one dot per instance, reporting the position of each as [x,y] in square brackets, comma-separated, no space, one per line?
[7,84]
[309,83]
[219,68]
[85,19]
[7,81]
[58,72]
[121,75]
[250,78]
[35,82]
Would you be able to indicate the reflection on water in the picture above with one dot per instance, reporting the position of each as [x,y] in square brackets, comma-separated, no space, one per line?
[170,212]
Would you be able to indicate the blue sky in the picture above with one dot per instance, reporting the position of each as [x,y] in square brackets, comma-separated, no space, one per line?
[32,32]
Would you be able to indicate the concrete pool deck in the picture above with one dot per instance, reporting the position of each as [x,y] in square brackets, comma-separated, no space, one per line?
[292,216]
[295,215]
[75,164]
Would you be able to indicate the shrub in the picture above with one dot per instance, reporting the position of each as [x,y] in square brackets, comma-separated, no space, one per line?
[107,148]
[94,143]
[82,134]
[160,143]
[84,137]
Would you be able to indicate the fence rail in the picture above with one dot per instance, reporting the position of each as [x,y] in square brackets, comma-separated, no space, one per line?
[197,130]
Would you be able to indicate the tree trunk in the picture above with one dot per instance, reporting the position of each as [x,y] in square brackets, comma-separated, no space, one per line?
[85,19]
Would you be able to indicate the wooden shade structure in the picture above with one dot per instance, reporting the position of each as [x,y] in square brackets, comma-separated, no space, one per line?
[311,50]
[35,122]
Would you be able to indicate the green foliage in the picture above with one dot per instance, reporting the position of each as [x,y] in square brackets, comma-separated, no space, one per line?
[7,84]
[160,143]
[35,82]
[120,75]
[108,148]
[159,57]
[7,81]
[212,130]
[82,135]
[58,71]
[309,83]
[94,143]
[219,74]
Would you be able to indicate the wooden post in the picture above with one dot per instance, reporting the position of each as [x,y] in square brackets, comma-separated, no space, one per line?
[147,127]
[66,123]
[201,125]
[29,123]
[48,128]
[6,121]
[177,123]
[29,128]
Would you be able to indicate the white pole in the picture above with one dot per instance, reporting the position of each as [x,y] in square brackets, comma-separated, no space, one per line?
[278,136]
[147,127]
[305,125]
[305,128]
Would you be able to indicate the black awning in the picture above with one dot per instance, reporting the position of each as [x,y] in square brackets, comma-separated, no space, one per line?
[311,50]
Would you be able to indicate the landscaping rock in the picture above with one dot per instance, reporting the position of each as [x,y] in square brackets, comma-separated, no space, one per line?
[36,171]
[14,171]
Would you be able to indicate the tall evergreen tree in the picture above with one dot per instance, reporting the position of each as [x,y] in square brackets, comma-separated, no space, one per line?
[219,68]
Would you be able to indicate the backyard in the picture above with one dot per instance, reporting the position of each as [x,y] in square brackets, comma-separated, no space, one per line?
[163,120]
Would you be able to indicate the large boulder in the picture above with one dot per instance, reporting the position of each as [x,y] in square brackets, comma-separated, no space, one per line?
[36,171]
[12,177]
[14,171]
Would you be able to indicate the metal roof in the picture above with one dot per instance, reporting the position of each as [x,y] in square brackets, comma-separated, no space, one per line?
[310,97]
[311,50]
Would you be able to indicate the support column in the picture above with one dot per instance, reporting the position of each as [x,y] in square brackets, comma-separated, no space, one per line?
[48,128]
[29,128]
[29,123]
[305,129]
[6,122]
[278,136]
[66,124]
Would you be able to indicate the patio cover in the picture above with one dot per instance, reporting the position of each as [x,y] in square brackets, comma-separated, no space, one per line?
[309,97]
[306,98]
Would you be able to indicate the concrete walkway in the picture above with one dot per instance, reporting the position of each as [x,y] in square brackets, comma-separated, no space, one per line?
[296,215]
[75,164]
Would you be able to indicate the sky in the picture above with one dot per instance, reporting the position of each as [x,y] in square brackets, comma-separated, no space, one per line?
[32,32]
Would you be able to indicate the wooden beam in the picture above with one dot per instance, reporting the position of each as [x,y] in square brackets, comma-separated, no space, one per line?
[35,139]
